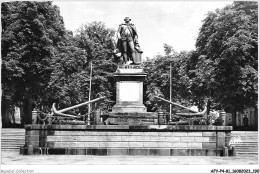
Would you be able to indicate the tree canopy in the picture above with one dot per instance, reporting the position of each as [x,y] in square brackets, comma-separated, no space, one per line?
[70,79]
[222,69]
[158,78]
[43,63]
[228,38]
[31,31]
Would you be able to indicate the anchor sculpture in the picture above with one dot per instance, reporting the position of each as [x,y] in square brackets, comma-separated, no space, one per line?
[195,113]
[61,117]
[190,116]
[61,112]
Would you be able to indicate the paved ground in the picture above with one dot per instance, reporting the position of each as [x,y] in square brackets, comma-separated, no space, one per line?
[13,158]
[12,162]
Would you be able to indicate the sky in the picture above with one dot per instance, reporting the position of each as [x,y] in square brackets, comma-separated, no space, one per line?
[175,23]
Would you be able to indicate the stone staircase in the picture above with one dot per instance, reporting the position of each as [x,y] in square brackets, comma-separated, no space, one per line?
[245,142]
[12,139]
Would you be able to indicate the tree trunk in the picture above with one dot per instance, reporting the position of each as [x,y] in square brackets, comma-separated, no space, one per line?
[22,115]
[256,118]
[208,107]
[5,111]
[234,117]
[27,109]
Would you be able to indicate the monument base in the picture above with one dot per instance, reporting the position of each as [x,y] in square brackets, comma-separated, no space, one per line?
[162,140]
[128,108]
[132,118]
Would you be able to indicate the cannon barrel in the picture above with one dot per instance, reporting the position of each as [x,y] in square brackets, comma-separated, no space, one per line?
[167,101]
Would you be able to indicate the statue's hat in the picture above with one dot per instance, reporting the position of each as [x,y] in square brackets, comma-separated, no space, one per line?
[127,19]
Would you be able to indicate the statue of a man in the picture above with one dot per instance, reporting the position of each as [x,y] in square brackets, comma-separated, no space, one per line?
[128,40]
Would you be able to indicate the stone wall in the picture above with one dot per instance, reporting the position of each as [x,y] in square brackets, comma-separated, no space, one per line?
[127,140]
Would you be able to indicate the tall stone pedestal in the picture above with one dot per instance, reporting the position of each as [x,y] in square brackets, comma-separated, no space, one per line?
[129,89]
[129,108]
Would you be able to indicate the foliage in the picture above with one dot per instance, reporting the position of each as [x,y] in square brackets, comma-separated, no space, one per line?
[201,80]
[223,69]
[43,63]
[157,82]
[228,38]
[71,76]
[31,31]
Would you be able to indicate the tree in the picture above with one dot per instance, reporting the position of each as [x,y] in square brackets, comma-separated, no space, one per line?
[228,37]
[168,50]
[70,79]
[97,41]
[157,82]
[31,31]
[201,79]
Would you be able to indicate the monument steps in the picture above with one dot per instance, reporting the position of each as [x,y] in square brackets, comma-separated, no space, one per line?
[243,146]
[12,139]
[248,153]
[245,142]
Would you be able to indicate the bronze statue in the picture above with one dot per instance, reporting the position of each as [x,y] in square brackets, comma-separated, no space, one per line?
[127,42]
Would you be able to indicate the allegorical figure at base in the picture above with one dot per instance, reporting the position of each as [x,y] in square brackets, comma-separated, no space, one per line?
[128,44]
